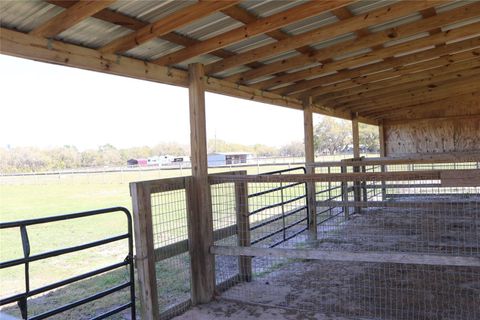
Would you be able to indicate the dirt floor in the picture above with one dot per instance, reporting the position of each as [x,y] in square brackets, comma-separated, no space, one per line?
[298,289]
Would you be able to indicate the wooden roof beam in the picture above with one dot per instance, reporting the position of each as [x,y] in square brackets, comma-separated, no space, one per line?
[374,41]
[370,72]
[22,45]
[383,14]
[135,24]
[416,95]
[166,25]
[370,58]
[417,71]
[70,17]
[425,80]
[259,26]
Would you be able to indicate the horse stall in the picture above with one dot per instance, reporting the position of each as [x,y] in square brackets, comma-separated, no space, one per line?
[392,237]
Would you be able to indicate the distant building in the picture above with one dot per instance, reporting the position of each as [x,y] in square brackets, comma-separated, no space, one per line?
[137,162]
[227,158]
[160,160]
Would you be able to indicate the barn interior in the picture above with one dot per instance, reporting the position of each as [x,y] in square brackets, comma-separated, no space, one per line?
[393,237]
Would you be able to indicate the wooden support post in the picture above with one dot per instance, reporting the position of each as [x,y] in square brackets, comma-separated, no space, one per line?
[383,153]
[309,161]
[364,185]
[198,194]
[344,184]
[356,137]
[145,252]
[243,228]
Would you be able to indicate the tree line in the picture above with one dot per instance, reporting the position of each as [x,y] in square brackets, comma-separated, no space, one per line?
[331,136]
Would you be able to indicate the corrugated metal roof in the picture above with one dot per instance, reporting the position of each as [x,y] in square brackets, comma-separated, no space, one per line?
[250,43]
[92,33]
[150,10]
[269,7]
[26,15]
[310,23]
[153,49]
[210,26]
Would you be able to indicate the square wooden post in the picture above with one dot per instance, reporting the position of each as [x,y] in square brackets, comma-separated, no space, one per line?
[356,156]
[198,194]
[243,228]
[344,184]
[309,162]
[383,153]
[145,253]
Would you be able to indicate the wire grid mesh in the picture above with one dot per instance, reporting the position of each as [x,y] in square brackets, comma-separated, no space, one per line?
[436,221]
[170,235]
[273,215]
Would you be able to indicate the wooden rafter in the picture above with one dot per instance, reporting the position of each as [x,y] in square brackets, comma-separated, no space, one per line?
[355,23]
[375,71]
[70,17]
[259,26]
[416,95]
[413,72]
[373,57]
[375,40]
[166,25]
[424,80]
[41,49]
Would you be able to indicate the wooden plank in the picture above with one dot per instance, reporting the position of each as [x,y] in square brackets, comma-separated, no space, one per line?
[363,59]
[427,72]
[26,46]
[309,160]
[326,83]
[180,247]
[460,179]
[243,227]
[391,90]
[259,26]
[335,177]
[365,41]
[131,23]
[357,22]
[200,222]
[144,249]
[166,25]
[347,256]
[70,17]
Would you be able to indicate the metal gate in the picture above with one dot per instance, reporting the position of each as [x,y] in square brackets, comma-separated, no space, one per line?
[22,298]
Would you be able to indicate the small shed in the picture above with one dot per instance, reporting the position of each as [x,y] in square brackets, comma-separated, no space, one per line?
[227,158]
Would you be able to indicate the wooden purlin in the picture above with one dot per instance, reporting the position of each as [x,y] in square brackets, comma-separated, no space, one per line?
[349,25]
[363,74]
[70,17]
[369,58]
[364,40]
[259,26]
[409,73]
[166,25]
[428,78]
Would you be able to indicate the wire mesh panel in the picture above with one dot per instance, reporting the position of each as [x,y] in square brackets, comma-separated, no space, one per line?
[411,257]
[170,237]
[161,235]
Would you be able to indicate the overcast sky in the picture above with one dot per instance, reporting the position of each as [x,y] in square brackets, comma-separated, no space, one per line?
[47,105]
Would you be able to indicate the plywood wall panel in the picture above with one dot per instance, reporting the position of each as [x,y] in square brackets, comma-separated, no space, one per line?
[450,125]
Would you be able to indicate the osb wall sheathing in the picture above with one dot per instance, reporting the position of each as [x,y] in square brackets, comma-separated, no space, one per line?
[454,127]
